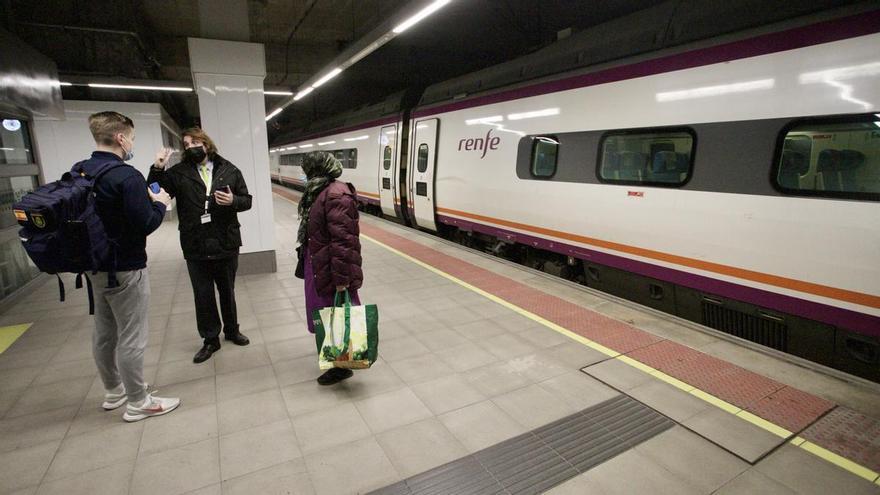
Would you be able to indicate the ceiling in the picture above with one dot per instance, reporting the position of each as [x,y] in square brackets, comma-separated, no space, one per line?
[146,39]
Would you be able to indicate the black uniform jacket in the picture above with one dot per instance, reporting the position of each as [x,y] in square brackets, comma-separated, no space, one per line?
[221,237]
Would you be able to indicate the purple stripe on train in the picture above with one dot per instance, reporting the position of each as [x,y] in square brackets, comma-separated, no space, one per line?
[823,32]
[844,318]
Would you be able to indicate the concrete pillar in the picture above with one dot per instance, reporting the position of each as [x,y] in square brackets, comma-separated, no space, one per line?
[228,76]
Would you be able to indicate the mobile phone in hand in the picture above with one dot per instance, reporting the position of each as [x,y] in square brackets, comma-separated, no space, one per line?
[155,187]
[227,189]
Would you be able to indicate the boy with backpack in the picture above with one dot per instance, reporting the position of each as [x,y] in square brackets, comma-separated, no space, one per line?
[129,213]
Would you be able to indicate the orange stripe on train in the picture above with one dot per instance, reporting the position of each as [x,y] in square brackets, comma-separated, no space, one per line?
[764,278]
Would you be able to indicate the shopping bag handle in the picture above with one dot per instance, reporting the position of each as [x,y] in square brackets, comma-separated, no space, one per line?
[346,300]
[346,339]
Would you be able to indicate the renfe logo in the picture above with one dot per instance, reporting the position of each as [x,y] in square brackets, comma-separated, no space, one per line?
[480,144]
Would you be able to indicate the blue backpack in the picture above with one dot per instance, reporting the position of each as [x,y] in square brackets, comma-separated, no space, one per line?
[61,230]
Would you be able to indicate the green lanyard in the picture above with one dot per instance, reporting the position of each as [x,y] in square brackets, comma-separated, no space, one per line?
[206,176]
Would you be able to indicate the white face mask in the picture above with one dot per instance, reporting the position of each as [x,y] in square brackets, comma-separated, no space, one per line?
[129,154]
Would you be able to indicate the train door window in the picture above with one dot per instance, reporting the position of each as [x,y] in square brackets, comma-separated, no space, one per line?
[352,158]
[657,157]
[835,158]
[386,158]
[423,158]
[545,151]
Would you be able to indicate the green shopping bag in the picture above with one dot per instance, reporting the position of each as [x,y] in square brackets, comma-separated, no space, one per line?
[346,336]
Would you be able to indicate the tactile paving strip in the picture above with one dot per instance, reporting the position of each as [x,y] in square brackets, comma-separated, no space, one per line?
[849,434]
[543,458]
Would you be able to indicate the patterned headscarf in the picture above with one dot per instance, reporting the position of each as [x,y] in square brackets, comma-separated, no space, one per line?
[321,169]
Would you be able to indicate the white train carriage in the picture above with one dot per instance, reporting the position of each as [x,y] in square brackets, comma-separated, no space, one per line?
[735,183]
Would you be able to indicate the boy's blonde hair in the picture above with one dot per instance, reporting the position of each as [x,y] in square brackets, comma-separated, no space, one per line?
[106,125]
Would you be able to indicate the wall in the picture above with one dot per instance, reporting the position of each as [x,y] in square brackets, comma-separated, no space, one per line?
[62,143]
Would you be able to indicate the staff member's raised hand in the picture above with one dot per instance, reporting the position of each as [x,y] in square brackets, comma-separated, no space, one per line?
[162,157]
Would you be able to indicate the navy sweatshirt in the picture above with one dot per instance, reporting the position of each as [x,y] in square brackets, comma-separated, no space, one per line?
[128,214]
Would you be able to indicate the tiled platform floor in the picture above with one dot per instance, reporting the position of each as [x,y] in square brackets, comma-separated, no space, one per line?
[448,383]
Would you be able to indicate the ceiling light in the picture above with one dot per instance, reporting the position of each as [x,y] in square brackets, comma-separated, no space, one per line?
[302,93]
[333,73]
[147,88]
[305,146]
[359,138]
[326,142]
[430,9]
[278,93]
[65,83]
[274,113]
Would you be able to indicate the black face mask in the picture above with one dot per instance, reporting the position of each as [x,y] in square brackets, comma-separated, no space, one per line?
[194,155]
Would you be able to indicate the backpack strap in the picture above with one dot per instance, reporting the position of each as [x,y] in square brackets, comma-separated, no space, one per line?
[102,169]
[60,288]
[79,284]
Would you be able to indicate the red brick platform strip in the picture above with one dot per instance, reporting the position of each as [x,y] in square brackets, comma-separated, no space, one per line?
[782,405]
[790,408]
[849,434]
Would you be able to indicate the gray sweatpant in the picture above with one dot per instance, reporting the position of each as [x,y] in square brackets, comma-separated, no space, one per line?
[122,331]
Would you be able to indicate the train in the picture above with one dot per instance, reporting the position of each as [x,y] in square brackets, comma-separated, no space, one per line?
[733,181]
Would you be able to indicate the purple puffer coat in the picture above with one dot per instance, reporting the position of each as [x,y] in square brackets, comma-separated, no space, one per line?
[334,246]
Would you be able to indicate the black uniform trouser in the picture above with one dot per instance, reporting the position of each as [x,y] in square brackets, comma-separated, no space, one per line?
[204,275]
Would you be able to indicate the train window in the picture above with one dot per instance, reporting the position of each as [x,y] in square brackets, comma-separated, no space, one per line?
[423,158]
[386,158]
[837,157]
[545,150]
[352,158]
[650,157]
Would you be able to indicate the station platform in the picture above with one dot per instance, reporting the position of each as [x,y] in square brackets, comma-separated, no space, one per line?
[492,378]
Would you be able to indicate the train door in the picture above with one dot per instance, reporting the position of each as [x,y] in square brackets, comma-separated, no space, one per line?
[388,155]
[401,202]
[422,169]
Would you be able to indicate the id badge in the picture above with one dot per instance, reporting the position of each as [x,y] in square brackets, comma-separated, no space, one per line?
[206,218]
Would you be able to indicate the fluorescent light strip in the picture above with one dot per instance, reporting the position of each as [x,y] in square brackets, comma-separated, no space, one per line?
[303,93]
[146,88]
[65,83]
[723,89]
[278,93]
[430,9]
[333,73]
[359,138]
[305,146]
[485,120]
[274,113]
[841,73]
[326,143]
[537,113]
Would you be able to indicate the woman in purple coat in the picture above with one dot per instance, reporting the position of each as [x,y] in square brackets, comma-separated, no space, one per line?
[328,235]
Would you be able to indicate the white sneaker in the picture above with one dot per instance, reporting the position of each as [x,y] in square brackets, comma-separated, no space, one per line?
[114,400]
[152,406]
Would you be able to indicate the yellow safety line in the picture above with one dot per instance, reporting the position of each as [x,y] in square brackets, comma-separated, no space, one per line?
[829,456]
[840,461]
[8,335]
[763,423]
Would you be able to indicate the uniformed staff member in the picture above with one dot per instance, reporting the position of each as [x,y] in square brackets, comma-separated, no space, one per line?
[210,192]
